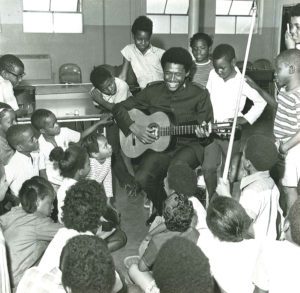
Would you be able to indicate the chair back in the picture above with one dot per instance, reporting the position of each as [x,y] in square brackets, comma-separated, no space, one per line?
[262,64]
[70,73]
[240,64]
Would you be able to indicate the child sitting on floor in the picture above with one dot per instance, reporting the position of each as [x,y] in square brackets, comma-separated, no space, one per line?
[143,57]
[200,44]
[7,119]
[52,135]
[28,228]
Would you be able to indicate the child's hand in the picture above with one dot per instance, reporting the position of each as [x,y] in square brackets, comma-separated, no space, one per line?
[223,188]
[289,41]
[95,93]
[3,187]
[106,118]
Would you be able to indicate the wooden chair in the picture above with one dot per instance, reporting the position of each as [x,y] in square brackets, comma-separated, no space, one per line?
[70,73]
[240,64]
[262,64]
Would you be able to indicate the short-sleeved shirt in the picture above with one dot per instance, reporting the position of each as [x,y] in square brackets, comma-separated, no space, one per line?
[4,276]
[277,267]
[6,152]
[63,139]
[260,199]
[21,168]
[200,72]
[224,97]
[147,67]
[27,236]
[7,93]
[287,118]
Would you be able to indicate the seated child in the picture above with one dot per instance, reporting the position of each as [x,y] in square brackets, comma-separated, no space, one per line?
[178,213]
[108,91]
[84,205]
[28,228]
[143,57]
[7,119]
[231,255]
[85,266]
[200,44]
[25,163]
[52,135]
[277,262]
[11,74]
[181,266]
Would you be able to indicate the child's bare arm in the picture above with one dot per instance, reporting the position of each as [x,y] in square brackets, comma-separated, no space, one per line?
[43,174]
[289,41]
[98,98]
[124,70]
[285,147]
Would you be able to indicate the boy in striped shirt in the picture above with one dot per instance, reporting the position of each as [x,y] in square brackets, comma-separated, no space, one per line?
[287,119]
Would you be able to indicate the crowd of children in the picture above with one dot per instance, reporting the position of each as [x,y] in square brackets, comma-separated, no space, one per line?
[58,220]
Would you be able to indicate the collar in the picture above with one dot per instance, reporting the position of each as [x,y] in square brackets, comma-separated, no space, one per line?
[149,49]
[254,177]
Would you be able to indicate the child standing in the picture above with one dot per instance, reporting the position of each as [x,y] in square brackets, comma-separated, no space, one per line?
[200,44]
[7,119]
[143,57]
[11,73]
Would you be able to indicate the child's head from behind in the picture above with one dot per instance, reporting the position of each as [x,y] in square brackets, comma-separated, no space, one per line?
[84,204]
[287,66]
[260,154]
[37,195]
[224,61]
[12,69]
[102,79]
[181,266]
[97,146]
[200,44]
[87,265]
[292,232]
[227,219]
[22,138]
[45,122]
[142,30]
[7,117]
[181,178]
[178,212]
[73,162]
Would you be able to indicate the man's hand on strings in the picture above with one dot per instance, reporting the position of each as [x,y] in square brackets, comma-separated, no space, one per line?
[145,134]
[204,130]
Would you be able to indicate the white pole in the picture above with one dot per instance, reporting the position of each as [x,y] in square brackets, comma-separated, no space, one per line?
[231,140]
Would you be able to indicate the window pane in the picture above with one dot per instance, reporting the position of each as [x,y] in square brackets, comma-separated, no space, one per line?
[36,5]
[37,22]
[64,5]
[177,7]
[179,24]
[225,25]
[156,6]
[67,22]
[243,24]
[161,23]
[222,7]
[241,8]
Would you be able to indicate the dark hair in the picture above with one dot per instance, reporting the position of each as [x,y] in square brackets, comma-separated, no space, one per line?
[84,204]
[31,190]
[181,266]
[295,11]
[227,219]
[142,23]
[4,108]
[201,36]
[223,50]
[294,219]
[38,118]
[99,75]
[182,178]
[69,161]
[261,152]
[90,142]
[178,218]
[8,62]
[177,55]
[290,57]
[14,134]
[87,265]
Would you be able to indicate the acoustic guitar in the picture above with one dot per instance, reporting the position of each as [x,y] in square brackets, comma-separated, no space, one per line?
[163,130]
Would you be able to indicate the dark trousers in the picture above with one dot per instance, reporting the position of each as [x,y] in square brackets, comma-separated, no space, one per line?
[119,168]
[153,167]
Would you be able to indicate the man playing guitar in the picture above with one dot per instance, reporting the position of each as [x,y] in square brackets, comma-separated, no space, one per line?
[185,103]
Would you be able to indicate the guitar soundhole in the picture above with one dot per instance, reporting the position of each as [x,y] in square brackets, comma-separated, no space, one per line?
[154,127]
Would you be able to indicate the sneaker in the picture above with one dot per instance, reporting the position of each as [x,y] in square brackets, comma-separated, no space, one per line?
[130,260]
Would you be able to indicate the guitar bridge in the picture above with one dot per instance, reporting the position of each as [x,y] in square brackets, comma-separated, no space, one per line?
[133,140]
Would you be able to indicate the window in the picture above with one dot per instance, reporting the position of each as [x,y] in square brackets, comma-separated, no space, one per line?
[168,16]
[52,16]
[234,16]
